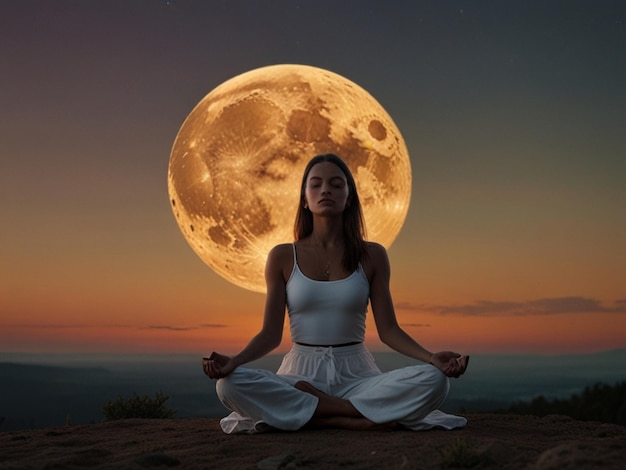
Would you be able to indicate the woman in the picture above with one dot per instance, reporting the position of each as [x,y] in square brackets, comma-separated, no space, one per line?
[328,378]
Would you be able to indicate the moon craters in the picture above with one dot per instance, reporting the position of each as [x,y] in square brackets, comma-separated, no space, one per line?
[377,130]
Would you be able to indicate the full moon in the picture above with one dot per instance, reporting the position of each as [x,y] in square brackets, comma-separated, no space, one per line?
[237,161]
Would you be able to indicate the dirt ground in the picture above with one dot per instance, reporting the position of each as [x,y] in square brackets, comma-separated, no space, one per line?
[488,441]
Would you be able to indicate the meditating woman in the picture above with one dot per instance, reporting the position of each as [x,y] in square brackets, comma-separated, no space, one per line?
[328,378]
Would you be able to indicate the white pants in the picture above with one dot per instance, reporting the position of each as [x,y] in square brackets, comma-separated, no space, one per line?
[260,399]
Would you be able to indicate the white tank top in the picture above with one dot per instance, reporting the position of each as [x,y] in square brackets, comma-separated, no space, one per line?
[327,312]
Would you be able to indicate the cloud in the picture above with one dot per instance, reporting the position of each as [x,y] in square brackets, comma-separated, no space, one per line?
[546,306]
[184,328]
[170,328]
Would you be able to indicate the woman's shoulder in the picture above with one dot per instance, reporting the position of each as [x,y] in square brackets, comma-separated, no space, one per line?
[375,260]
[280,261]
[282,255]
[281,251]
[375,250]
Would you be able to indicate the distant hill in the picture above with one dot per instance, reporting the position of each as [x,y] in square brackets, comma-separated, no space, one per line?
[36,395]
[39,391]
[600,402]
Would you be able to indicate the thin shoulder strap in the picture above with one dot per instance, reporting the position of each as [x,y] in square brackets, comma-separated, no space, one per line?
[295,256]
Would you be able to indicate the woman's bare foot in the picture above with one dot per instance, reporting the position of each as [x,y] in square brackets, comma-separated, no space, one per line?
[308,388]
[336,412]
[328,405]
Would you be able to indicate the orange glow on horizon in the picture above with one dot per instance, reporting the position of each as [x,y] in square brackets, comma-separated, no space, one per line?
[513,334]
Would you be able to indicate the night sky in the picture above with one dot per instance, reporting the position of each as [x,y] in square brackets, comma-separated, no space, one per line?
[514,114]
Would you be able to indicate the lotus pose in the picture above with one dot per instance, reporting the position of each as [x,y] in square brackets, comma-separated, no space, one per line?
[328,378]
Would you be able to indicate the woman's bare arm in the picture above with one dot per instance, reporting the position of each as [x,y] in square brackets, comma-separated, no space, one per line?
[270,335]
[387,325]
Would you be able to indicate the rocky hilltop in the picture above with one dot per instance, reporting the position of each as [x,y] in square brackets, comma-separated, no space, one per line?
[502,441]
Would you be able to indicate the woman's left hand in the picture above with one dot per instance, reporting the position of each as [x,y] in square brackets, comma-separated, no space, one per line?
[450,363]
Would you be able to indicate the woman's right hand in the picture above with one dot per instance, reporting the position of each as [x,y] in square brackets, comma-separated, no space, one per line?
[450,363]
[217,366]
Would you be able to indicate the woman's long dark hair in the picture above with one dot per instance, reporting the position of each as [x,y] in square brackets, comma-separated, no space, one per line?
[353,224]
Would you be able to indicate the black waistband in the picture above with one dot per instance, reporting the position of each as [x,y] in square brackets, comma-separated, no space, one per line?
[328,345]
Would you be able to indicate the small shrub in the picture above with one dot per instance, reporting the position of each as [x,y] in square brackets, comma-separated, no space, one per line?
[459,455]
[138,407]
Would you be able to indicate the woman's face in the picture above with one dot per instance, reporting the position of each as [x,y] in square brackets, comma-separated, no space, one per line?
[326,190]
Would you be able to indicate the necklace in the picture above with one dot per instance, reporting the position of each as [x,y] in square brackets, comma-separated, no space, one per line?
[321,252]
[327,270]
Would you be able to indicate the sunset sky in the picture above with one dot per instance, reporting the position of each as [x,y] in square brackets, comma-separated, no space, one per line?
[513,112]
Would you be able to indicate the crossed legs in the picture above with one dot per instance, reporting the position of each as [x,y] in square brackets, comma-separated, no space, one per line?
[262,396]
[336,412]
